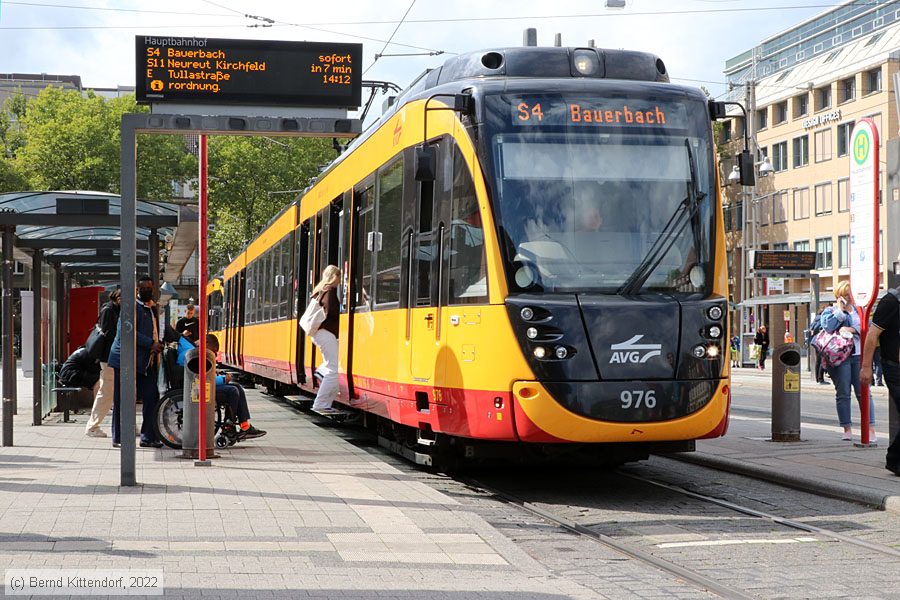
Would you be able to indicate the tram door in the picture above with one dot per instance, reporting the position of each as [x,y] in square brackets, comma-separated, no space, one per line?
[301,277]
[426,254]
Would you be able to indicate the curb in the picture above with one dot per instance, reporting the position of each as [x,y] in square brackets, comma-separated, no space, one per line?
[840,491]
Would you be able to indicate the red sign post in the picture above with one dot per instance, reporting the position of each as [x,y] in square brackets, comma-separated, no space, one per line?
[864,234]
[204,201]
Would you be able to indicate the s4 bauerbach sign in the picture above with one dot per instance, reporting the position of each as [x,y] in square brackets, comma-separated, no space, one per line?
[864,182]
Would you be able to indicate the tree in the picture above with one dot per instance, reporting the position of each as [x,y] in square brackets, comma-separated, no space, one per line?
[244,174]
[10,178]
[71,142]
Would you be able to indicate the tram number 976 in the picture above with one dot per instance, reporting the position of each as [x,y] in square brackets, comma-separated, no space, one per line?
[635,398]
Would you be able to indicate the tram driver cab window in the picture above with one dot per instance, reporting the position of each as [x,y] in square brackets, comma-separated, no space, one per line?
[468,275]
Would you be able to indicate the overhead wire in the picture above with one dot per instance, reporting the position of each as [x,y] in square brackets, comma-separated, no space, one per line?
[111,9]
[393,33]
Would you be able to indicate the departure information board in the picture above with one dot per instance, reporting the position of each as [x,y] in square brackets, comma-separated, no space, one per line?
[784,260]
[251,72]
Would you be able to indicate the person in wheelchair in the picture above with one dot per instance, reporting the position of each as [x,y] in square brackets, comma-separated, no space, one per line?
[232,397]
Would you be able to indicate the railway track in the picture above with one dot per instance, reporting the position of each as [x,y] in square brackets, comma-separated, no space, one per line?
[693,577]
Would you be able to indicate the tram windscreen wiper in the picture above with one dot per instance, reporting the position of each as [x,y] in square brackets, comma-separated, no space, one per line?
[685,213]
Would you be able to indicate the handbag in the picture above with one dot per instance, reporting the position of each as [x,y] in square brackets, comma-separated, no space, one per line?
[96,343]
[833,347]
[754,351]
[312,317]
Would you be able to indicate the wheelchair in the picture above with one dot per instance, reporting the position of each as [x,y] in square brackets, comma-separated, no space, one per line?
[169,419]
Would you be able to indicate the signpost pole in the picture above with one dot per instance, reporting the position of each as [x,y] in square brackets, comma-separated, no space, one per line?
[864,268]
[204,391]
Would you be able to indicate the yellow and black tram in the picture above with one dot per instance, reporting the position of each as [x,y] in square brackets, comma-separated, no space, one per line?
[532,252]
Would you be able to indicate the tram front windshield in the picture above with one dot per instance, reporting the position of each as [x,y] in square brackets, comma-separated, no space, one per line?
[607,195]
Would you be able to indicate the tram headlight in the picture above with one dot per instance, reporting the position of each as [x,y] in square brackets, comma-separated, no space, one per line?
[712,351]
[540,352]
[531,332]
[586,62]
[714,331]
[527,314]
[714,313]
[561,352]
[699,351]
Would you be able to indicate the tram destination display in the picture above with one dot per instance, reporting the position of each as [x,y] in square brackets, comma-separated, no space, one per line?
[250,72]
[783,260]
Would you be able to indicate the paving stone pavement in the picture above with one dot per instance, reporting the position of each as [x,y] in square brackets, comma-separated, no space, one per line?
[297,513]
[821,462]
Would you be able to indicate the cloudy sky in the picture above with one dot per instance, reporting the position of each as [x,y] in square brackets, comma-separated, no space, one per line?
[95,38]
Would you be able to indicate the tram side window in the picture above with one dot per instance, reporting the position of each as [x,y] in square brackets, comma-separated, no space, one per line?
[215,311]
[275,298]
[266,286]
[388,237]
[324,241]
[250,314]
[366,241]
[287,283]
[468,273]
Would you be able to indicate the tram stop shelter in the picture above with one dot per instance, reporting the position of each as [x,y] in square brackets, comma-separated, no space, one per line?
[71,237]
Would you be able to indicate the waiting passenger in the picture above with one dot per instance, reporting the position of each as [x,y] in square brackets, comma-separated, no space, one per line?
[80,370]
[325,337]
[103,399]
[233,396]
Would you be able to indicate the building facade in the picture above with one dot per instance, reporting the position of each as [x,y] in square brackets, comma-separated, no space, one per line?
[804,89]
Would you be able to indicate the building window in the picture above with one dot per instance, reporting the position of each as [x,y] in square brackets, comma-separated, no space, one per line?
[823,143]
[780,246]
[764,208]
[843,138]
[873,80]
[780,208]
[848,89]
[801,204]
[762,118]
[843,186]
[779,156]
[823,199]
[823,97]
[843,251]
[781,112]
[801,106]
[823,253]
[18,268]
[801,151]
[726,131]
[801,246]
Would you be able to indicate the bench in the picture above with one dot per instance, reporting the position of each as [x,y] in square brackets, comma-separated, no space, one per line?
[64,399]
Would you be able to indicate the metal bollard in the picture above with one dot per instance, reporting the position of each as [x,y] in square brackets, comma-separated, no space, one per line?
[786,393]
[190,442]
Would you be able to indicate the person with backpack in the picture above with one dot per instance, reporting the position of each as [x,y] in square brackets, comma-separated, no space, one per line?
[762,340]
[843,318]
[885,332]
[103,399]
[80,370]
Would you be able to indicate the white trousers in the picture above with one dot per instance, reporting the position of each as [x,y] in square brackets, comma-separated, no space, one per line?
[103,399]
[329,388]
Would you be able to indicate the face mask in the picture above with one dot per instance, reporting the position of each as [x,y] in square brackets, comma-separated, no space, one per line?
[145,294]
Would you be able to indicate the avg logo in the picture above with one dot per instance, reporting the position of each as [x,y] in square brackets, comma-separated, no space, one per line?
[861,146]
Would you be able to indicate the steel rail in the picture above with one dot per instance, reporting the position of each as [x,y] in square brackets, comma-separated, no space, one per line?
[697,579]
[768,516]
